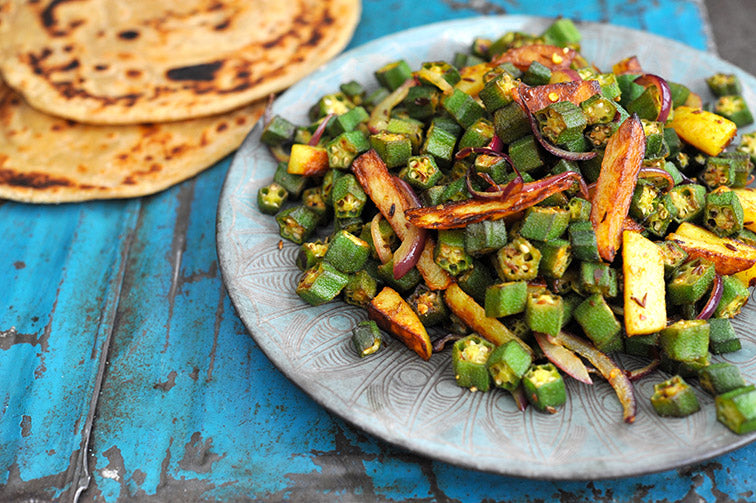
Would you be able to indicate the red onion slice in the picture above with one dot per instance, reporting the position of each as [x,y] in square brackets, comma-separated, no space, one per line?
[441,343]
[636,374]
[380,115]
[714,297]
[382,248]
[520,399]
[649,172]
[496,144]
[319,131]
[563,358]
[408,253]
[553,149]
[665,95]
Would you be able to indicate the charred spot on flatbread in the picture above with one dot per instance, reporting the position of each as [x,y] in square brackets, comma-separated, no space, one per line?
[201,72]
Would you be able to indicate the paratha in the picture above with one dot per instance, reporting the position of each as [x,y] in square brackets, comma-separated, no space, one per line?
[135,61]
[44,159]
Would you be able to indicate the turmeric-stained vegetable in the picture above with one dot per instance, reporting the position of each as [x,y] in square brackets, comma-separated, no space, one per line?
[392,313]
[728,255]
[706,131]
[644,292]
[614,190]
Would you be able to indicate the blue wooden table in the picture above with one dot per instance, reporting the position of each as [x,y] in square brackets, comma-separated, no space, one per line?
[127,376]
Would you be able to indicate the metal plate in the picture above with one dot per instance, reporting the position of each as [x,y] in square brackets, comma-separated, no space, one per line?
[415,404]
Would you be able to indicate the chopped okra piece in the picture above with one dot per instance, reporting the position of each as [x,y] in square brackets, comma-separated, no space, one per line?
[720,378]
[475,280]
[394,74]
[642,345]
[422,101]
[736,409]
[647,105]
[321,284]
[314,200]
[735,108]
[294,184]
[685,340]
[684,368]
[487,236]
[742,165]
[690,281]
[734,297]
[517,260]
[544,313]
[598,277]
[748,145]
[543,223]
[353,90]
[718,172]
[583,241]
[599,323]
[544,387]
[479,134]
[598,109]
[406,283]
[679,93]
[556,256]
[723,213]
[629,89]
[511,123]
[278,131]
[346,252]
[348,197]
[450,252]
[367,339]
[463,59]
[343,149]
[722,336]
[747,236]
[507,364]
[395,149]
[504,299]
[310,253]
[537,74]
[411,128]
[469,357]
[598,134]
[673,256]
[439,143]
[672,139]
[526,153]
[580,209]
[440,68]
[349,224]
[561,122]
[562,33]
[429,306]
[656,146]
[376,96]
[329,179]
[347,121]
[462,107]
[661,217]
[297,223]
[421,172]
[271,198]
[360,289]
[497,92]
[722,84]
[675,398]
[688,200]
[336,103]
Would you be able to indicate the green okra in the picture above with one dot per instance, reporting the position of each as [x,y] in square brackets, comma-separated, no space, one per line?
[505,299]
[367,338]
[321,283]
[674,397]
[722,336]
[487,236]
[346,252]
[544,223]
[271,198]
[360,289]
[690,281]
[599,323]
[348,197]
[736,409]
[544,387]
[721,377]
[450,253]
[517,260]
[734,296]
[297,223]
[469,357]
[544,313]
[343,149]
[507,364]
[685,340]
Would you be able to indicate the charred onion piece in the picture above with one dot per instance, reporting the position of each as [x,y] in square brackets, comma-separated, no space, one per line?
[550,56]
[553,149]
[408,253]
[539,97]
[382,249]
[319,131]
[665,95]
[622,161]
[381,114]
[496,191]
[649,172]
[563,358]
[441,343]
[496,144]
[714,297]
[611,372]
[636,374]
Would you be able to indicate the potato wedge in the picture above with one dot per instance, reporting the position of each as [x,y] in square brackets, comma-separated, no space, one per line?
[375,179]
[307,160]
[747,198]
[550,56]
[614,189]
[390,311]
[706,131]
[643,271]
[474,316]
[729,256]
[540,97]
[471,78]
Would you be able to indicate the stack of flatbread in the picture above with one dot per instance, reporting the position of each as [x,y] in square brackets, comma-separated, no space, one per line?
[110,99]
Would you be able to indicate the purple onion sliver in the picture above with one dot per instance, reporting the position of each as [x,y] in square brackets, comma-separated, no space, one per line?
[714,298]
[319,131]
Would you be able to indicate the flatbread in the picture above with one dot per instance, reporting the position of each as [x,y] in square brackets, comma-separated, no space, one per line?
[135,61]
[44,159]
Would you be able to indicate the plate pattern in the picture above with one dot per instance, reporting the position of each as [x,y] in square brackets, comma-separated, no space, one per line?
[416,404]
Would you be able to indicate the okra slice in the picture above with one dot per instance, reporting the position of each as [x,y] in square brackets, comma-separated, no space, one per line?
[479,134]
[348,121]
[294,184]
[329,180]
[360,289]
[297,223]
[497,92]
[336,103]
[561,122]
[487,236]
[346,252]
[439,143]
[495,166]
[271,197]
[583,240]
[722,336]
[562,32]
[734,296]
[313,199]
[411,128]
[367,338]
[525,153]
[505,299]
[421,102]
[674,397]
[507,364]
[469,357]
[723,213]
[310,253]
[537,74]
[679,93]
[673,256]
[278,131]
[688,200]
[598,278]
[661,217]
[343,149]
[722,84]
[394,148]
[684,368]
[517,260]
[742,165]
[647,105]
[321,284]
[599,323]
[462,107]
[690,281]
[429,306]
[544,313]
[735,108]
[544,223]
[580,209]
[353,90]
[511,123]
[642,345]
[556,256]
[450,253]
[405,284]
[393,75]
[718,172]
[685,340]
[598,109]
[736,409]
[441,68]
[544,387]
[475,280]
[720,378]
[421,172]
[748,145]
[348,197]
[643,202]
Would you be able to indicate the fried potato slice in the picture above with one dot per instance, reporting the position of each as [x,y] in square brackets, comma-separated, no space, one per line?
[644,292]
[729,256]
[392,313]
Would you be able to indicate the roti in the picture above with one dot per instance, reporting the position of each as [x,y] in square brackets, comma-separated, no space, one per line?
[105,62]
[45,159]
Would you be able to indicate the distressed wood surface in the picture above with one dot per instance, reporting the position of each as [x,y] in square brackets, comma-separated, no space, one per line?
[128,376]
